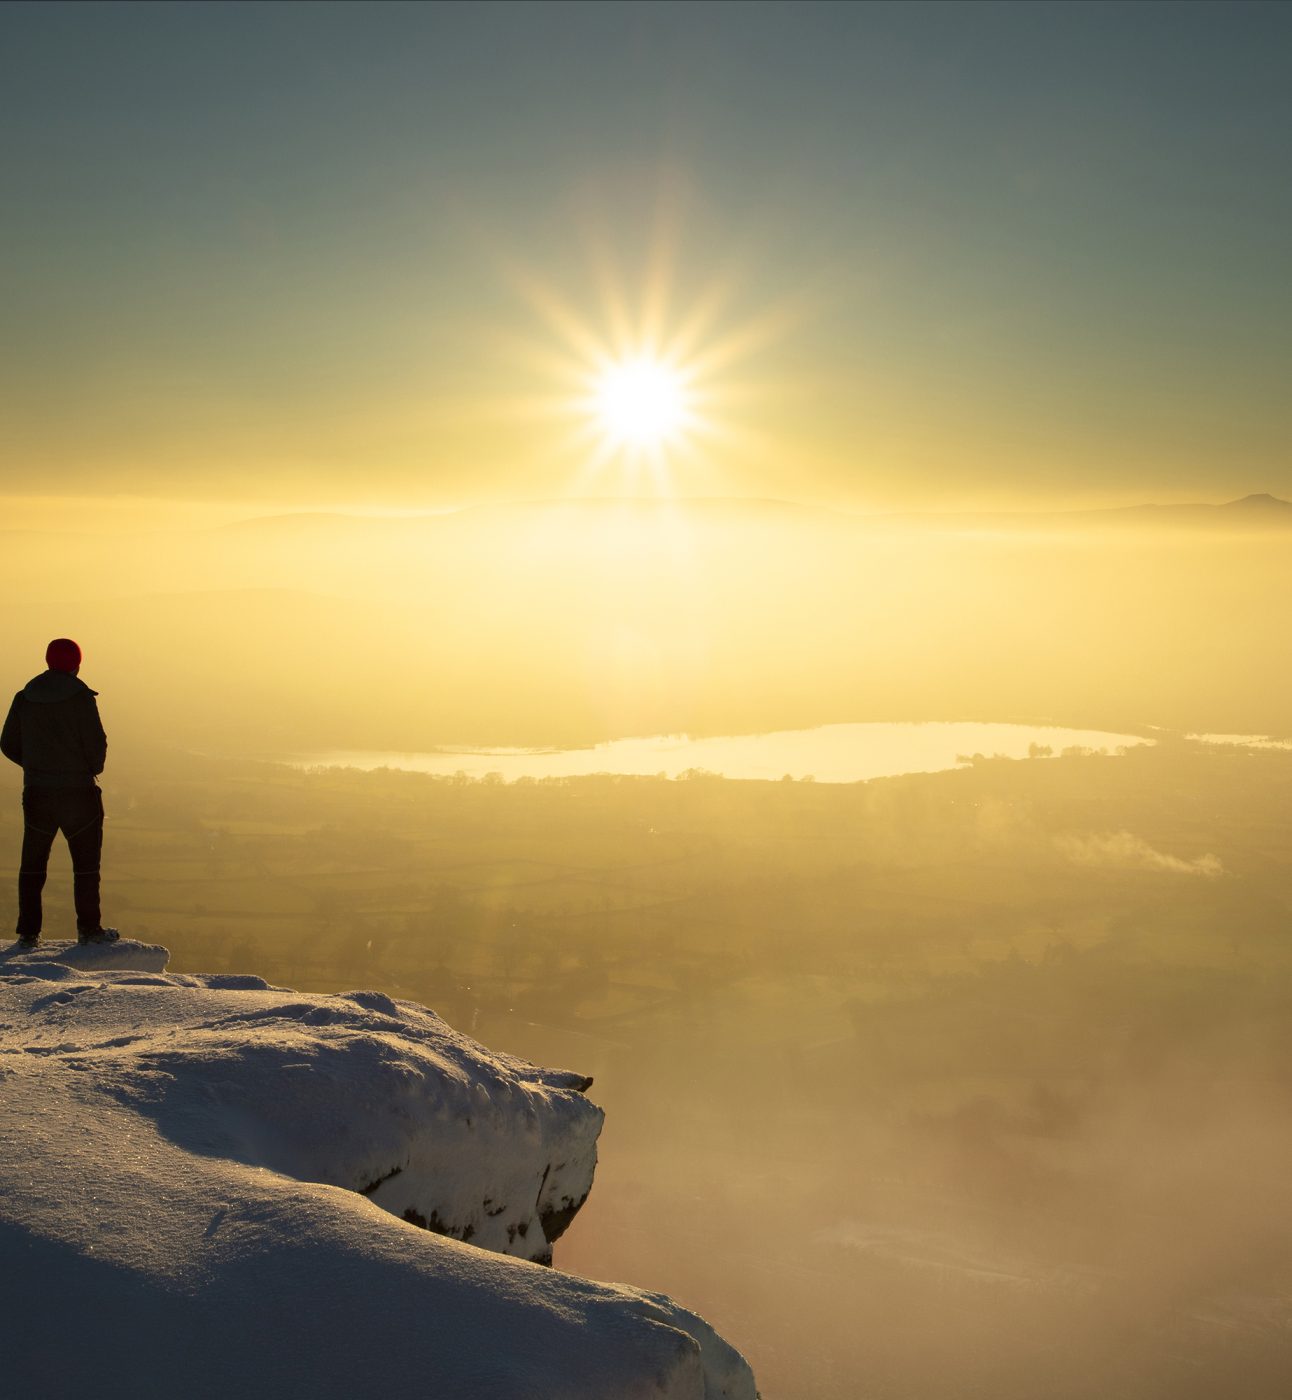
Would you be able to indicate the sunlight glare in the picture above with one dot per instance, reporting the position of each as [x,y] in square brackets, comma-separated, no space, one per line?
[640,402]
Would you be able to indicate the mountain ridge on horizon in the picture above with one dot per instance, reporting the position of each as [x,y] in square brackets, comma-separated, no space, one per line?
[1262,506]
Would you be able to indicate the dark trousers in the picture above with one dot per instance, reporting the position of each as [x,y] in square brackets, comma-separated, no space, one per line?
[78,814]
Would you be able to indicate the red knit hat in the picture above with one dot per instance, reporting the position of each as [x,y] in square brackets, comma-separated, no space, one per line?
[62,654]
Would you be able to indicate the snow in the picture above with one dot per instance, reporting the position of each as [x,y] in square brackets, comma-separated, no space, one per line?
[126,955]
[207,1184]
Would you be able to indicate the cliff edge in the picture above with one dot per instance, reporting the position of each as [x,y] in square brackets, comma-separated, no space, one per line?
[208,1184]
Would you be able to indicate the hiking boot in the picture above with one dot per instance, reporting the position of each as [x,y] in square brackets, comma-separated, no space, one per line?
[27,940]
[99,935]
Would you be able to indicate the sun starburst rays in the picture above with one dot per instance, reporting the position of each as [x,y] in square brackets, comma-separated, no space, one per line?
[635,382]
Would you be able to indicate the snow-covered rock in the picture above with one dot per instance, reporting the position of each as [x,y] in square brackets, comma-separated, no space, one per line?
[212,1186]
[126,955]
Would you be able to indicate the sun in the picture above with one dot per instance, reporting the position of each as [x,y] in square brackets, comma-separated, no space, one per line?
[640,369]
[640,402]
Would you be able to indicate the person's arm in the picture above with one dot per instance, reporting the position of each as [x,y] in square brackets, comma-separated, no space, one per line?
[93,737]
[11,735]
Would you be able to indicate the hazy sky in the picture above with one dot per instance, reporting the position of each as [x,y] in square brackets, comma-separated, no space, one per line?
[923,255]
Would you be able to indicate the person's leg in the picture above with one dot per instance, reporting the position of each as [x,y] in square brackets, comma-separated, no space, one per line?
[39,824]
[82,823]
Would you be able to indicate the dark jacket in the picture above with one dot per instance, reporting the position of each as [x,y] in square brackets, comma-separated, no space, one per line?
[53,732]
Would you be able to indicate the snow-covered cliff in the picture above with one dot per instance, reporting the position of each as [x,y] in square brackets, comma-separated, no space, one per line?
[209,1185]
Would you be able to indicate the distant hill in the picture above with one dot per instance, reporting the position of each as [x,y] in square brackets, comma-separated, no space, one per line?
[1257,512]
[1261,501]
[1258,509]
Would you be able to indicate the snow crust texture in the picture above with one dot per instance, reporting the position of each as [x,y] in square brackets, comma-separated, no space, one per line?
[209,1185]
[126,955]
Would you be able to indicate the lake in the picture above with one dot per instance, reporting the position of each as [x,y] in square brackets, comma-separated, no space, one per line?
[830,753]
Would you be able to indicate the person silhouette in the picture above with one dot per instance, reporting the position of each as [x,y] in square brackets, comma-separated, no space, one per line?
[53,732]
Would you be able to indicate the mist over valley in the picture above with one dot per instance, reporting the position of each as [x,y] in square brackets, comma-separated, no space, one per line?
[568,624]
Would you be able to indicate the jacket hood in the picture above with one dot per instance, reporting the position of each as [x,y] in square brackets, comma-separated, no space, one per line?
[50,687]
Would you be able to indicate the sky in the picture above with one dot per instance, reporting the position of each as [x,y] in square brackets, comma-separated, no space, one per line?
[913,256]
